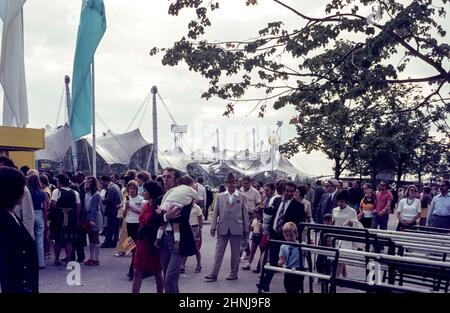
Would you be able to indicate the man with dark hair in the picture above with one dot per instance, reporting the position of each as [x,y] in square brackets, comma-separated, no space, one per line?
[171,258]
[356,195]
[279,188]
[19,268]
[383,206]
[253,198]
[51,179]
[5,161]
[80,180]
[285,209]
[439,213]
[309,196]
[318,193]
[170,178]
[327,202]
[113,197]
[269,190]
[209,198]
[25,210]
[24,169]
[78,246]
[116,180]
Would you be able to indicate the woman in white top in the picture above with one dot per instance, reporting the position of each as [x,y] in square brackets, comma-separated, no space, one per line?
[133,208]
[341,217]
[408,211]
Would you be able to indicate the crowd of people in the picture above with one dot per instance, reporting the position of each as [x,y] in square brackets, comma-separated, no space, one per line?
[159,220]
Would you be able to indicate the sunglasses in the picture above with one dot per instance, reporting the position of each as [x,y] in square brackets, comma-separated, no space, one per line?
[167,176]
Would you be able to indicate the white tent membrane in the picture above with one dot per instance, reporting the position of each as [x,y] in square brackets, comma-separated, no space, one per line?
[118,149]
[175,158]
[57,142]
[281,166]
[226,166]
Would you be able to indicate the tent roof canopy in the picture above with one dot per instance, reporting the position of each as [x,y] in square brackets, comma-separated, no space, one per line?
[118,149]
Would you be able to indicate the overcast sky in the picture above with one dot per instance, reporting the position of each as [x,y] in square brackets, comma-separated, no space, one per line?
[125,72]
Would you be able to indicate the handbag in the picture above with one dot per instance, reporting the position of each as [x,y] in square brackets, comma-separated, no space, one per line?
[128,245]
[86,226]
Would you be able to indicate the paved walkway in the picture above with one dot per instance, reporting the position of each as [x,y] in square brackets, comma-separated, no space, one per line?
[110,276]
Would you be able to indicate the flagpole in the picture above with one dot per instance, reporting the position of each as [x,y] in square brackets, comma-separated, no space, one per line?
[69,112]
[94,144]
[155,131]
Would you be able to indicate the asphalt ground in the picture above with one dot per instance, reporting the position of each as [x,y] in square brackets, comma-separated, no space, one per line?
[110,275]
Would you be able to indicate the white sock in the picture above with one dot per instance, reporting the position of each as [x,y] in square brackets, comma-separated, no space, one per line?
[159,234]
[91,251]
[176,236]
[96,252]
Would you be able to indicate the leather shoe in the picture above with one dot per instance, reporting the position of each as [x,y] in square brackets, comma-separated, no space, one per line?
[261,288]
[231,278]
[210,278]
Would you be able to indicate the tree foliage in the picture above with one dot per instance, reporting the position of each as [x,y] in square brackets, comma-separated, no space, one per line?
[334,69]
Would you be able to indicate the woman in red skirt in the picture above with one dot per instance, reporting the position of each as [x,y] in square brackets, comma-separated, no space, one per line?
[146,259]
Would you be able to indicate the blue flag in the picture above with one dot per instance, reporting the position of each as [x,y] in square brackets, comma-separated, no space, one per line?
[90,32]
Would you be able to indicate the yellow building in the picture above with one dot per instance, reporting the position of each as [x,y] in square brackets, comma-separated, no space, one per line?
[20,144]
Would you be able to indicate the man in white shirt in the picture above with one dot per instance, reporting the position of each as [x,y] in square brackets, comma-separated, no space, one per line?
[251,194]
[202,193]
[253,199]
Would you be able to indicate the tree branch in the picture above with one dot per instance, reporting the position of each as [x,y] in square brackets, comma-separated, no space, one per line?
[259,99]
[418,80]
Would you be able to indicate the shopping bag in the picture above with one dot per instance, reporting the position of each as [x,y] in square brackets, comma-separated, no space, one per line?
[128,245]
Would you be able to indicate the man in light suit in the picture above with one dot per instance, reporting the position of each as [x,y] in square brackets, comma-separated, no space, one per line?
[230,220]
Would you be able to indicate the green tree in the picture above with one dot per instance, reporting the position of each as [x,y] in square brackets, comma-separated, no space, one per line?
[377,151]
[315,67]
[411,33]
[428,156]
[331,128]
[399,145]
[443,167]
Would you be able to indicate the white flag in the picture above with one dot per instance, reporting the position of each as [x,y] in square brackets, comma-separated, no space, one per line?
[12,67]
